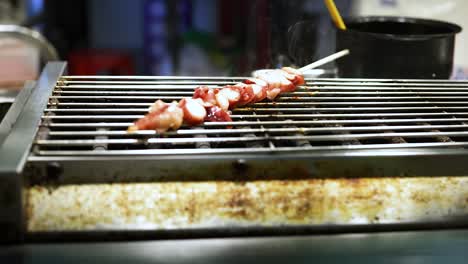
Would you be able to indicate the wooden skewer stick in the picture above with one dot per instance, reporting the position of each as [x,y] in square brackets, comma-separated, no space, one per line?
[324,60]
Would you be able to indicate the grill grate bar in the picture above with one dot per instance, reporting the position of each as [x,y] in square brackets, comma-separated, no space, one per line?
[244,150]
[345,81]
[440,138]
[348,109]
[341,137]
[378,86]
[384,88]
[390,93]
[104,84]
[266,104]
[136,77]
[139,87]
[274,123]
[360,115]
[187,94]
[296,93]
[373,98]
[303,130]
[92,142]
[202,145]
[192,86]
[279,99]
[321,81]
[185,86]
[250,109]
[94,98]
[159,86]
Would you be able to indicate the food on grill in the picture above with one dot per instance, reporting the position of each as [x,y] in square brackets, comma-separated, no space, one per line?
[259,88]
[211,105]
[161,117]
[207,95]
[194,111]
[216,114]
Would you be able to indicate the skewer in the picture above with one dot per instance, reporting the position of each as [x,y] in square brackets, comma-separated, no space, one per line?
[324,60]
[318,63]
[213,105]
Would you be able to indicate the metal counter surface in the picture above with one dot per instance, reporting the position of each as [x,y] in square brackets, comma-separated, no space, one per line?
[400,247]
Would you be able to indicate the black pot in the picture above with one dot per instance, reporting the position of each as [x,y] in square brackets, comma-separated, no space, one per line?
[396,47]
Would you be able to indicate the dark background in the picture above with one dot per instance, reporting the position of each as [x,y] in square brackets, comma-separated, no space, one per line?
[185,37]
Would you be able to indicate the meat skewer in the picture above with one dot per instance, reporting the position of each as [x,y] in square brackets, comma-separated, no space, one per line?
[213,104]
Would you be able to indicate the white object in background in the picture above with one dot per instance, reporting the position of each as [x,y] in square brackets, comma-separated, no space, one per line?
[19,62]
[454,11]
[194,61]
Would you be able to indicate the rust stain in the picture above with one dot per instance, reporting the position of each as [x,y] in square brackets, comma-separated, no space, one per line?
[273,202]
[354,182]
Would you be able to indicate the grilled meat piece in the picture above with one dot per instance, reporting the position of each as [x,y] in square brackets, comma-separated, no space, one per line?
[210,105]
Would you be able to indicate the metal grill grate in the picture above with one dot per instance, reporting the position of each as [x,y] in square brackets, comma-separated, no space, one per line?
[89,116]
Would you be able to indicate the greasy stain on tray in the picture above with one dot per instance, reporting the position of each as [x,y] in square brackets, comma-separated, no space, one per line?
[267,203]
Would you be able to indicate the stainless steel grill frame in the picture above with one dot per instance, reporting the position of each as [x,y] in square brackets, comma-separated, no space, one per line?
[325,110]
[349,121]
[72,130]
[14,151]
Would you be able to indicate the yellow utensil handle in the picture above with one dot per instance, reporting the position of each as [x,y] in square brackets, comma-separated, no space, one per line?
[335,15]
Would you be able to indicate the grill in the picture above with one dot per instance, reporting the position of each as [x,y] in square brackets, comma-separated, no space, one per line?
[89,116]
[354,153]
